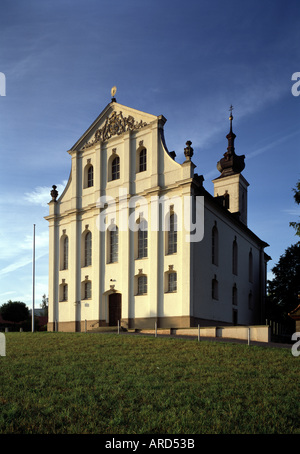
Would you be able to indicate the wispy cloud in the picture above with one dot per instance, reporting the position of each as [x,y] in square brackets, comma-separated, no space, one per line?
[273,144]
[41,194]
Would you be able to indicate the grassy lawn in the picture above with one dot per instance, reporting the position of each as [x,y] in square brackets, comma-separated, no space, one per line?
[109,384]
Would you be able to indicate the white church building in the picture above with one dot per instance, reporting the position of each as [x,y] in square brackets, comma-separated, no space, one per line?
[135,238]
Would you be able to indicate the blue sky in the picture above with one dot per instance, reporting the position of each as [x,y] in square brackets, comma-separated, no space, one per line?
[185,60]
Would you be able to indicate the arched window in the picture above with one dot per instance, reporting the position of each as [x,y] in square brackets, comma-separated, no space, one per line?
[143,160]
[215,246]
[172,234]
[88,249]
[113,244]
[142,285]
[235,257]
[90,176]
[115,168]
[65,253]
[143,239]
[250,266]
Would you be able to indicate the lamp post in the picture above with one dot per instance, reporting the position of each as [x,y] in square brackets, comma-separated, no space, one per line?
[33,278]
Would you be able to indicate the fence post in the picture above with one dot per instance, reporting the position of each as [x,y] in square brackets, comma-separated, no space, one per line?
[248,336]
[118,326]
[198,333]
[155,329]
[85,325]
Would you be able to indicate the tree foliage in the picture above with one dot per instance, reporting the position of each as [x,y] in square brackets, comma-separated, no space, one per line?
[283,290]
[296,190]
[14,311]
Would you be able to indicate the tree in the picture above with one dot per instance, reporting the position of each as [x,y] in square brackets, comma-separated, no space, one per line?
[44,304]
[283,290]
[14,311]
[296,190]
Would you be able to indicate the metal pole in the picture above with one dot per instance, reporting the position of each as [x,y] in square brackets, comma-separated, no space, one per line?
[155,329]
[248,336]
[118,326]
[198,333]
[33,278]
[85,325]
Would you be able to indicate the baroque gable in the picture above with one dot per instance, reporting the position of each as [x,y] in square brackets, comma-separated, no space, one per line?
[115,124]
[115,120]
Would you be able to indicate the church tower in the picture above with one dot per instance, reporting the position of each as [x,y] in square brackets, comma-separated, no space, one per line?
[231,187]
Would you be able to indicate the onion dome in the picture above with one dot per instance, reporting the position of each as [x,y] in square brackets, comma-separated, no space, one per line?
[231,163]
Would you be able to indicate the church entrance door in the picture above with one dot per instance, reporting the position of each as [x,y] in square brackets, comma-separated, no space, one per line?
[114,308]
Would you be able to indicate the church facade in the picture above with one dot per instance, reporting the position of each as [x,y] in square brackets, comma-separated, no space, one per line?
[135,238]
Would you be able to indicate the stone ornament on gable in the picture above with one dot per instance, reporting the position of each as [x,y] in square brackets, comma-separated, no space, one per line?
[115,124]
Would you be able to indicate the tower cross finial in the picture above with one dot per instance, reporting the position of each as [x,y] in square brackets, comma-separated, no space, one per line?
[231,116]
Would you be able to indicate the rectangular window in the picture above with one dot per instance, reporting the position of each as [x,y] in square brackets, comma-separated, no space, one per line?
[215,289]
[172,235]
[142,285]
[115,169]
[114,239]
[143,240]
[66,253]
[172,282]
[88,249]
[143,160]
[65,292]
[90,177]
[235,258]
[87,290]
[234,295]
